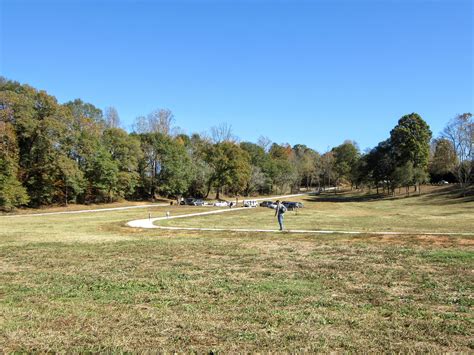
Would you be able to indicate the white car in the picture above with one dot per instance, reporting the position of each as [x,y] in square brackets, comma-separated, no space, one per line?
[250,203]
[221,204]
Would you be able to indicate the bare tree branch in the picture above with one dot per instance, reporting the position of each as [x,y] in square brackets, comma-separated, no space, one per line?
[222,133]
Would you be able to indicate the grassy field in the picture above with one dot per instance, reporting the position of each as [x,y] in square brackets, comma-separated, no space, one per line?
[87,283]
[427,213]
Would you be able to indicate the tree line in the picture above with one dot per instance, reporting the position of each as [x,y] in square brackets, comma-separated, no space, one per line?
[53,153]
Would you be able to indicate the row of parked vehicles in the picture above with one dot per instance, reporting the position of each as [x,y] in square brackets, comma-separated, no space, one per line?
[245,203]
[192,202]
[288,204]
[199,202]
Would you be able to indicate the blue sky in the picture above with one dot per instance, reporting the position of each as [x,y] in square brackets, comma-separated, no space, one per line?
[309,72]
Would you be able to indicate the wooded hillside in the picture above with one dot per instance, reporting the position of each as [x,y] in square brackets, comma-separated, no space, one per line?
[52,153]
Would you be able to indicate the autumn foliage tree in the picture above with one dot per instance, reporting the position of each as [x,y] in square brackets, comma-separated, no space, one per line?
[12,193]
[53,153]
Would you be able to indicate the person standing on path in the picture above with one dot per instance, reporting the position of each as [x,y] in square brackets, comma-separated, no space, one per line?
[279,211]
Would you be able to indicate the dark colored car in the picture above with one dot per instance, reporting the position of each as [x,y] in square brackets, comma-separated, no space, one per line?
[266,203]
[190,201]
[292,205]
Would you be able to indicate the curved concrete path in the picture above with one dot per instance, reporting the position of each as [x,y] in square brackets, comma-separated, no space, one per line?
[149,224]
[87,211]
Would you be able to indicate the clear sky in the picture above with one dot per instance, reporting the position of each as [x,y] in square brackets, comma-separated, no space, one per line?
[309,72]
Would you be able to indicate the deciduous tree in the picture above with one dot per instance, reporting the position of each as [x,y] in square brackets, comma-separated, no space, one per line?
[231,167]
[460,132]
[410,140]
[346,156]
[444,160]
[112,118]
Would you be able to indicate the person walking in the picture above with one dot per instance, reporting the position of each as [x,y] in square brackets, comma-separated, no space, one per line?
[279,211]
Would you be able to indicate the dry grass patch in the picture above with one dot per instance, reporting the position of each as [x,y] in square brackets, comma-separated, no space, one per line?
[95,285]
[233,293]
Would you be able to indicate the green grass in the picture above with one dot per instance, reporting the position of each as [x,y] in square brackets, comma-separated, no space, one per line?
[329,212]
[88,283]
[450,256]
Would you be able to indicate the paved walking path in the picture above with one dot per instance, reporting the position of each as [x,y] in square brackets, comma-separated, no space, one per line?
[88,211]
[149,224]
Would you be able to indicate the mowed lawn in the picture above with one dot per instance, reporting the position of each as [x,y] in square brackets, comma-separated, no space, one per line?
[435,213]
[88,283]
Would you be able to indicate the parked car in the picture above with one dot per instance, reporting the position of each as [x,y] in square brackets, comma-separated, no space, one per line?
[443,182]
[190,201]
[250,203]
[292,205]
[266,203]
[198,202]
[221,203]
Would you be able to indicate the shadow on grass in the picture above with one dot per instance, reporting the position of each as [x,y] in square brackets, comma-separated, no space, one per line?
[344,197]
[442,196]
[450,195]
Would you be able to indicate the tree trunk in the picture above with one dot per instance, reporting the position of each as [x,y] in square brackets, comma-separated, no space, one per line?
[152,184]
[209,185]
